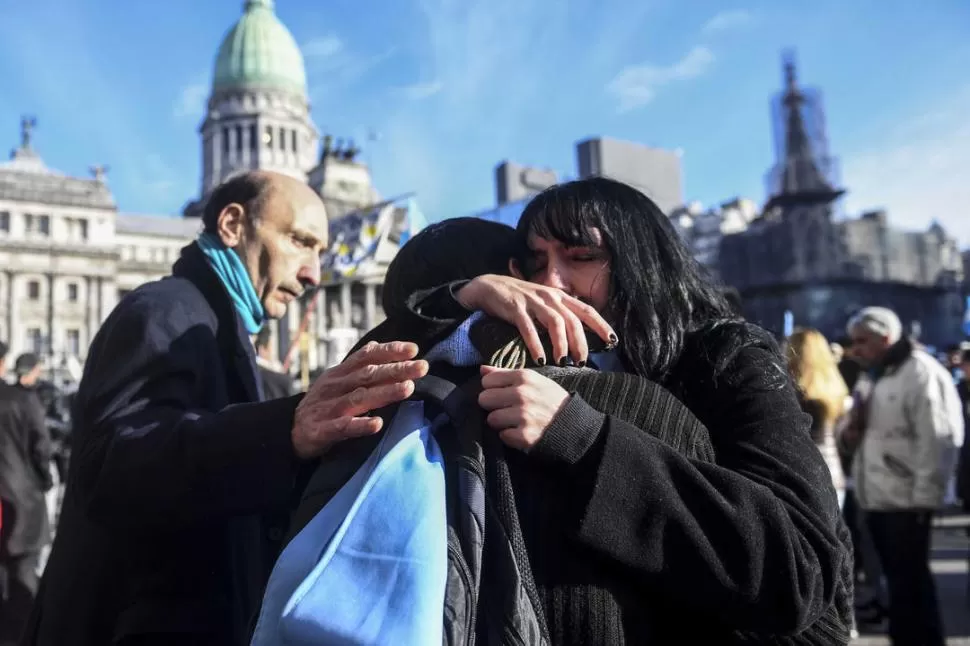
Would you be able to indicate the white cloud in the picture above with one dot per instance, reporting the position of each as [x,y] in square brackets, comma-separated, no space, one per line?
[727,20]
[918,171]
[637,85]
[191,101]
[419,91]
[331,64]
[323,47]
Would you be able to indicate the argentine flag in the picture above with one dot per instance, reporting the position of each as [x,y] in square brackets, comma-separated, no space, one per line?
[416,221]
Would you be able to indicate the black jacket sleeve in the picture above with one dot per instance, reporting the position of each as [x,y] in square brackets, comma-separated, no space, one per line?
[147,451]
[751,539]
[41,448]
[436,309]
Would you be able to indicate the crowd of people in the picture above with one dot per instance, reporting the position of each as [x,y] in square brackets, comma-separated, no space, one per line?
[563,433]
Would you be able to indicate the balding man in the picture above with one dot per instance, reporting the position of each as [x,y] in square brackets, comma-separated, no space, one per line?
[181,479]
[908,425]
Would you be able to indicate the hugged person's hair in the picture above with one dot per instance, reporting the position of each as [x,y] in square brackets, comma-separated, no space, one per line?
[444,252]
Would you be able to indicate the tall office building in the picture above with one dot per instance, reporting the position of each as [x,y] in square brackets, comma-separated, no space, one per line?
[514,182]
[656,172]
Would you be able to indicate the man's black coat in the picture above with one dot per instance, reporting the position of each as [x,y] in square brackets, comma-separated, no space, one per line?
[179,483]
[25,462]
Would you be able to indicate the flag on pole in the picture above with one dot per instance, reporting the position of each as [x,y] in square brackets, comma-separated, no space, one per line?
[415,221]
[354,240]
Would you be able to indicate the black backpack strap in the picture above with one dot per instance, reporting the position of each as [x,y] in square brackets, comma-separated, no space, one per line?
[446,394]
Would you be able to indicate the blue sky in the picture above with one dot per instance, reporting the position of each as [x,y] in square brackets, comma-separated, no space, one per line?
[455,86]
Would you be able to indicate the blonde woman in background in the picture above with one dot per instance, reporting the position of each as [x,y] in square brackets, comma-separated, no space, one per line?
[822,392]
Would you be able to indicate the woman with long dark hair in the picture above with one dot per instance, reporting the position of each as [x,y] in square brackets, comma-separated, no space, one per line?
[753,543]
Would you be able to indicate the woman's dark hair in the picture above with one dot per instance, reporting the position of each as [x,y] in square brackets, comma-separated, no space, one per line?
[445,252]
[658,293]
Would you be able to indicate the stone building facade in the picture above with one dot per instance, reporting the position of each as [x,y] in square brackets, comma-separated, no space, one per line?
[69,255]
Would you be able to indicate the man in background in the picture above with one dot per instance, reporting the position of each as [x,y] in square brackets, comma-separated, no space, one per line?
[906,429]
[25,476]
[28,369]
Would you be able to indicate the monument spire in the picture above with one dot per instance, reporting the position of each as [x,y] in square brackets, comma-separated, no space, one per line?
[804,172]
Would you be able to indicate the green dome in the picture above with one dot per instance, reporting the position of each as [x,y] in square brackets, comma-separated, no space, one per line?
[259,52]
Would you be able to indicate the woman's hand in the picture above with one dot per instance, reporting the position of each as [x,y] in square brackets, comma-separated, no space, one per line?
[521,404]
[522,304]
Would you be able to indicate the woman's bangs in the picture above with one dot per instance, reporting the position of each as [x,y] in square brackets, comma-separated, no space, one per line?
[567,221]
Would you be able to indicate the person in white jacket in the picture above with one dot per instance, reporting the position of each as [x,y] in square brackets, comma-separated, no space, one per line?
[906,429]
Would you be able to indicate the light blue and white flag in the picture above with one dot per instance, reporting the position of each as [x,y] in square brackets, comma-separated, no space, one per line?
[415,221]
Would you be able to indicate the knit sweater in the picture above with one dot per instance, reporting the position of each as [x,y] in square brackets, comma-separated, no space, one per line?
[586,599]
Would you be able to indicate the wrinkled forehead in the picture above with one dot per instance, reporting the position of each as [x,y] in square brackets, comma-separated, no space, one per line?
[294,213]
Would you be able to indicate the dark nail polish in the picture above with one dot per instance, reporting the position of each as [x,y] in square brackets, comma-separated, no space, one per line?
[581,364]
[562,362]
[613,339]
[541,361]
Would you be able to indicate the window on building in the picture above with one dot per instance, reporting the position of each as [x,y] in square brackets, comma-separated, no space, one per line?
[5,221]
[37,224]
[239,145]
[74,343]
[282,141]
[72,292]
[225,141]
[253,137]
[33,290]
[268,137]
[293,140]
[81,229]
[35,340]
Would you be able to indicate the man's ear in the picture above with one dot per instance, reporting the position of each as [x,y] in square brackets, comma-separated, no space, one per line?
[514,269]
[230,225]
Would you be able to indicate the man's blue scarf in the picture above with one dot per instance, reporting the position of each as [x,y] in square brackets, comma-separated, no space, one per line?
[231,271]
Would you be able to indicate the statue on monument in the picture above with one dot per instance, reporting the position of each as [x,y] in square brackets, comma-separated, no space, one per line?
[27,125]
[100,172]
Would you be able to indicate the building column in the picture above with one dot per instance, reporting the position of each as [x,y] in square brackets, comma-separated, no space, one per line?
[50,317]
[12,310]
[370,306]
[107,297]
[346,304]
[247,147]
[91,327]
[215,150]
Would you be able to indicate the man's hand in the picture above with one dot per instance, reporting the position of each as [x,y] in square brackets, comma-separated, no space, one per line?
[521,404]
[335,407]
